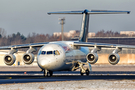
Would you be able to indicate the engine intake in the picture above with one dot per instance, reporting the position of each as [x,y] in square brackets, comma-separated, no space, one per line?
[114,58]
[92,58]
[28,58]
[9,59]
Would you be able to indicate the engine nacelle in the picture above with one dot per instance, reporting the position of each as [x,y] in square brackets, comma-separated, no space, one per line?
[9,59]
[92,58]
[28,58]
[113,58]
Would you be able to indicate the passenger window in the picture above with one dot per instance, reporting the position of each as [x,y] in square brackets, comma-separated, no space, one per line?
[49,52]
[43,52]
[57,52]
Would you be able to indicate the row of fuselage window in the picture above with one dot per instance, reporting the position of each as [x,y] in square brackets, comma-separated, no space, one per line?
[56,52]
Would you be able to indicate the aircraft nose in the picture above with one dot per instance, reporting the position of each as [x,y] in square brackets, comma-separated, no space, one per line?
[44,63]
[50,63]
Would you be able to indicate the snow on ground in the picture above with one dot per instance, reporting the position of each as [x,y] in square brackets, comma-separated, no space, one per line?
[73,85]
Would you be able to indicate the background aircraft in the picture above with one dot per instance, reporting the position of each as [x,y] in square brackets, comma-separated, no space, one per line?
[67,55]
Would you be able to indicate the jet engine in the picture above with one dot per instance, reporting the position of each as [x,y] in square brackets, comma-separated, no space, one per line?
[9,59]
[28,58]
[114,58]
[92,58]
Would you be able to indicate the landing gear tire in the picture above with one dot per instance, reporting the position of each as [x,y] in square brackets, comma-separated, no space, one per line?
[81,73]
[45,73]
[51,73]
[48,73]
[87,72]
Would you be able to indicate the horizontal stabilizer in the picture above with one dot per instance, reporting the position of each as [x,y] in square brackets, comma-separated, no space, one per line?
[91,12]
[108,12]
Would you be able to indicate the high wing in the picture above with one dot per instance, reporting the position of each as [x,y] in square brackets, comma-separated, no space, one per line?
[104,45]
[28,56]
[23,46]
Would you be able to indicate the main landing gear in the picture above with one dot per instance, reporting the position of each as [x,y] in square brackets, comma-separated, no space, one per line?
[47,73]
[82,72]
[85,70]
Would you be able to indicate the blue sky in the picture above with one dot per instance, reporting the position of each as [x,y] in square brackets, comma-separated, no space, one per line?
[27,16]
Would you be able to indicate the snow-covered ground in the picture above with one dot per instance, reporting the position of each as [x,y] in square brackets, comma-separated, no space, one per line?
[73,85]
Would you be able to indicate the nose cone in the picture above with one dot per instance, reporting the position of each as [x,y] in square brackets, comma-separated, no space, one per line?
[50,63]
[44,63]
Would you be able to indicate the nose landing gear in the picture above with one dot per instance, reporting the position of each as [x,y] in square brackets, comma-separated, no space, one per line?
[47,73]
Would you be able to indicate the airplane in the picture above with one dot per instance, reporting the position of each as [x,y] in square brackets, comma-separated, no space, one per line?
[67,55]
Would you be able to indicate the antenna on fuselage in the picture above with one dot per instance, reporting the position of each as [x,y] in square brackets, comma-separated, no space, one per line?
[85,21]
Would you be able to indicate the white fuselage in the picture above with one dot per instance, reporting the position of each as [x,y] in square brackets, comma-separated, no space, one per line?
[58,56]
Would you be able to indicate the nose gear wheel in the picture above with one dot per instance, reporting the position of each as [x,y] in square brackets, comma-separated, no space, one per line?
[47,73]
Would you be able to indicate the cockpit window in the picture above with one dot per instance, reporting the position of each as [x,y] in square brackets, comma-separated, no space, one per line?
[49,52]
[43,52]
[56,52]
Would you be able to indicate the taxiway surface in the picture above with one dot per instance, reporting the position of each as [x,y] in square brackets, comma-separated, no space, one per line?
[102,77]
[28,74]
[64,76]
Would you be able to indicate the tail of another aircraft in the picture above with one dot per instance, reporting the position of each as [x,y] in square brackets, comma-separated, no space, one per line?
[85,21]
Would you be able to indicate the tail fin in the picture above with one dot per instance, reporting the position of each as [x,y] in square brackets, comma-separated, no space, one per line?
[85,21]
[84,28]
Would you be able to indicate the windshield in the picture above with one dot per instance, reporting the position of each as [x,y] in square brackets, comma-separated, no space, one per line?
[43,52]
[56,52]
[49,52]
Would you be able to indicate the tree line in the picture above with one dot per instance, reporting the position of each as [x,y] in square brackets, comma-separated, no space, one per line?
[18,38]
[110,33]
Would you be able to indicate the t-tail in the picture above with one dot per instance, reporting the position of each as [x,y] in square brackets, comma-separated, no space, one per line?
[85,21]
